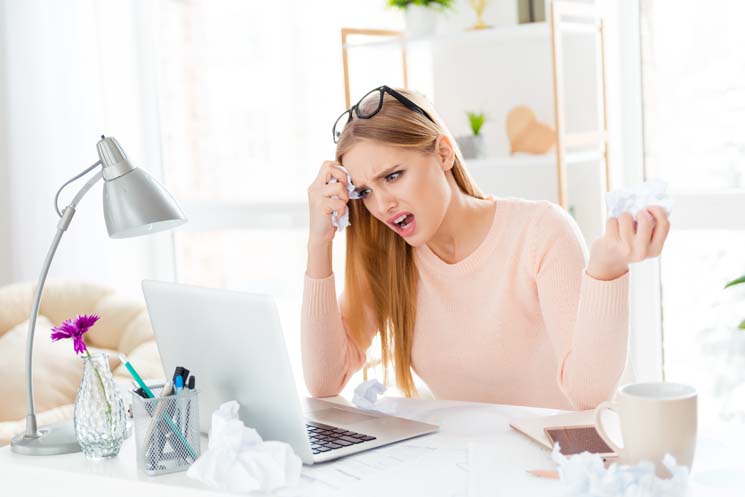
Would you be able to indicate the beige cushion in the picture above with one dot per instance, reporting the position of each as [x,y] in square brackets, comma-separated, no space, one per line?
[57,370]
[124,327]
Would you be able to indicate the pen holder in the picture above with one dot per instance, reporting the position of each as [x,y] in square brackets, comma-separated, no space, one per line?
[166,431]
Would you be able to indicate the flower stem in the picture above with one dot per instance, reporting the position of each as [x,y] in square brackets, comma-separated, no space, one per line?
[103,389]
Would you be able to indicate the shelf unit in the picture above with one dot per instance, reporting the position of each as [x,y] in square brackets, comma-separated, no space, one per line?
[566,17]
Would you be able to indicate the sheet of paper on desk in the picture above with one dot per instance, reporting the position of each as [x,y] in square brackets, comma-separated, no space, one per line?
[339,475]
[410,469]
[491,474]
[433,472]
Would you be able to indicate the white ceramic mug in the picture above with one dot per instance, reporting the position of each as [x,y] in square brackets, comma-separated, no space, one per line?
[657,418]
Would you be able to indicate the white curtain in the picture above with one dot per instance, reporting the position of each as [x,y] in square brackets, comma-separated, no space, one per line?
[72,71]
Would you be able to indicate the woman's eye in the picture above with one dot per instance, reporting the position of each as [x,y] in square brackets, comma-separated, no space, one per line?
[364,193]
[396,174]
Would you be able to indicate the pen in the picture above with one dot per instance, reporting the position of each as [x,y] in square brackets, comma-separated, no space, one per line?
[544,473]
[179,384]
[179,387]
[182,372]
[150,394]
[167,390]
[136,376]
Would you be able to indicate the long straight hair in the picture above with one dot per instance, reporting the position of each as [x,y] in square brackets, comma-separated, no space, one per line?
[380,271]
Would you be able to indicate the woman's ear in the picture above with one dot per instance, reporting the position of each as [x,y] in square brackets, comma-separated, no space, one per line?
[445,152]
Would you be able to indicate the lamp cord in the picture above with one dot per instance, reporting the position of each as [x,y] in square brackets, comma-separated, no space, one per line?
[56,197]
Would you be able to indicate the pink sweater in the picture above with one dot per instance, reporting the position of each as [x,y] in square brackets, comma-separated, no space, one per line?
[518,321]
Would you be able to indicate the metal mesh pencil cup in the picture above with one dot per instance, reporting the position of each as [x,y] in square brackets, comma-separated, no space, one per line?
[166,431]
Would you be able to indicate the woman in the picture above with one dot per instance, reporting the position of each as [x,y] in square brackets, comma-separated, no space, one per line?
[486,299]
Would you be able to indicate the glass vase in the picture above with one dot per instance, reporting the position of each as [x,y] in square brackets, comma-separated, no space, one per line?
[100,421]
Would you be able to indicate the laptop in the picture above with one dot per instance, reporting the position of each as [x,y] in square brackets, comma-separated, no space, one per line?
[232,342]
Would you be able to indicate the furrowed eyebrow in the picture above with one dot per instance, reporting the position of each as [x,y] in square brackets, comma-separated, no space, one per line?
[383,174]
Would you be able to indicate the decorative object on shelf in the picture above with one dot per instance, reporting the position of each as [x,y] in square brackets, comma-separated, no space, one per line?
[527,134]
[531,11]
[478,7]
[734,282]
[421,15]
[99,418]
[134,204]
[472,146]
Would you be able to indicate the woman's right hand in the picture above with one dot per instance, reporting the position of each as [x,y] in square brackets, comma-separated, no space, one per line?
[321,204]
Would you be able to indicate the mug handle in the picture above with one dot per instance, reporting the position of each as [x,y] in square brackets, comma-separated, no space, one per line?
[611,406]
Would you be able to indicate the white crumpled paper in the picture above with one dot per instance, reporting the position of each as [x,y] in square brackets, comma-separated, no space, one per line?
[633,200]
[238,460]
[585,476]
[342,222]
[366,394]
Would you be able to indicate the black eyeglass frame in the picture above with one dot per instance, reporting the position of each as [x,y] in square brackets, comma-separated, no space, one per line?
[356,109]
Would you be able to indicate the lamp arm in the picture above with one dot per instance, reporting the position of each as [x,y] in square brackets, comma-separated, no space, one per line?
[64,222]
[56,197]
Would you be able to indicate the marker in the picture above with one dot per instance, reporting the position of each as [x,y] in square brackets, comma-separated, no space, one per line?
[192,381]
[182,372]
[150,394]
[136,376]
[179,384]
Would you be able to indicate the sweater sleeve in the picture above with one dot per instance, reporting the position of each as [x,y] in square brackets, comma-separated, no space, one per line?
[586,319]
[330,355]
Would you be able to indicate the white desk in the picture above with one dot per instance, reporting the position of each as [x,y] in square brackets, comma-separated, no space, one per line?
[433,465]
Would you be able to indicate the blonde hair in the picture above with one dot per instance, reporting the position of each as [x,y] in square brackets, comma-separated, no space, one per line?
[380,270]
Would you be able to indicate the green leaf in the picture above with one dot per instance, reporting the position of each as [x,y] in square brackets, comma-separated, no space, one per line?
[739,280]
[441,5]
[742,325]
[476,120]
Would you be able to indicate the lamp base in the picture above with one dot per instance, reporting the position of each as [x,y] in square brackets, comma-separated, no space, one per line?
[55,439]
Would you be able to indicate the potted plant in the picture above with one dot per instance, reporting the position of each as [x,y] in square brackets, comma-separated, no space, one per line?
[421,15]
[737,281]
[472,146]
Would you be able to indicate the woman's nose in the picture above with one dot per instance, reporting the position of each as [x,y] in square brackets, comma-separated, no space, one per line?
[385,203]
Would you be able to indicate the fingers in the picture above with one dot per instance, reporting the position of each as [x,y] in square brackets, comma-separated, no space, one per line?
[645,225]
[335,204]
[641,238]
[329,169]
[332,189]
[611,228]
[626,230]
[661,229]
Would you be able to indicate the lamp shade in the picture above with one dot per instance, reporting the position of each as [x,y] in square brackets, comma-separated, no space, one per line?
[136,204]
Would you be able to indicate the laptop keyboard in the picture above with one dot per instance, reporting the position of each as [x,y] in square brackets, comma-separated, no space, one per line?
[324,438]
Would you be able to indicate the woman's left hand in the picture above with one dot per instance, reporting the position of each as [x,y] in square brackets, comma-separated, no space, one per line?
[622,243]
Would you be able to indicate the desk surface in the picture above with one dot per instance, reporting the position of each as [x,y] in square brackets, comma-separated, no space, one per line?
[433,465]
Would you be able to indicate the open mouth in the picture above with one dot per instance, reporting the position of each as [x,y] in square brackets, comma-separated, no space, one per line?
[405,224]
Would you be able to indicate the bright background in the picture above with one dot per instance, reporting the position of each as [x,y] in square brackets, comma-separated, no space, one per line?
[231,103]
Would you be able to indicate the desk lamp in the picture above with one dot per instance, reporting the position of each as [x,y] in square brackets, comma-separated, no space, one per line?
[134,204]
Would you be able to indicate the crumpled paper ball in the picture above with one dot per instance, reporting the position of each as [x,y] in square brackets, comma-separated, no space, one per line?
[366,394]
[632,200]
[342,222]
[238,460]
[585,475]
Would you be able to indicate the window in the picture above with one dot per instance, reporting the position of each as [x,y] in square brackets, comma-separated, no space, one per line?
[694,99]
[247,96]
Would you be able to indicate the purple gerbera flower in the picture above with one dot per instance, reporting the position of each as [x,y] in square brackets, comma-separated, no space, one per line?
[75,330]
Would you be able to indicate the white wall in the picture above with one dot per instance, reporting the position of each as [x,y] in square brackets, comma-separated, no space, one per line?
[73,74]
[6,260]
